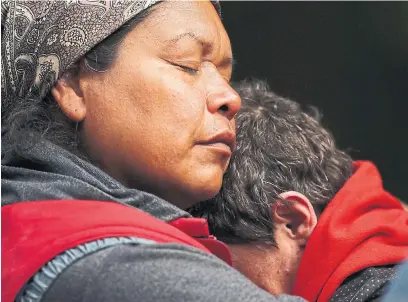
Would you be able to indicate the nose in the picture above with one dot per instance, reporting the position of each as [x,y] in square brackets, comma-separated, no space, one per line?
[226,103]
[221,97]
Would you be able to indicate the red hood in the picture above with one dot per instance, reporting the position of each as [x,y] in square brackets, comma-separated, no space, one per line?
[362,226]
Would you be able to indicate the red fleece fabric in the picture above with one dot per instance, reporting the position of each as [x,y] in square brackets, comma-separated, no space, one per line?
[37,231]
[363,226]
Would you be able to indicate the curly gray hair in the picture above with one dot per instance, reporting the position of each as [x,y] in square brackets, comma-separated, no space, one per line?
[280,147]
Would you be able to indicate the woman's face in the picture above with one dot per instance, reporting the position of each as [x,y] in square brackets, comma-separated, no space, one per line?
[161,119]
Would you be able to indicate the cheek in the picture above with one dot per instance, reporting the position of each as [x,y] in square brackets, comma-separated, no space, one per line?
[151,107]
[180,97]
[171,105]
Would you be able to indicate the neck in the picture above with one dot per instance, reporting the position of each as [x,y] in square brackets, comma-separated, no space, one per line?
[266,266]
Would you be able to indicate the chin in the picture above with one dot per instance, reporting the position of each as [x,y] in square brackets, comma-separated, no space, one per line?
[207,187]
[201,183]
[208,193]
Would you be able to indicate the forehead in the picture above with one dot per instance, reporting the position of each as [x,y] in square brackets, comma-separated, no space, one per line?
[171,20]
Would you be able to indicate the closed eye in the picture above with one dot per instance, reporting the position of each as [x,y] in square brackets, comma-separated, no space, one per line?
[186,68]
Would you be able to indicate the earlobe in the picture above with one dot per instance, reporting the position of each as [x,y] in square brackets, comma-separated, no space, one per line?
[69,97]
[296,215]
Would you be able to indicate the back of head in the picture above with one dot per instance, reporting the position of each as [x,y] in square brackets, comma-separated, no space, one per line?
[280,148]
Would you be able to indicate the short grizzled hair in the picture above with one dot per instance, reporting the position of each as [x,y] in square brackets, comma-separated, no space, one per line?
[280,147]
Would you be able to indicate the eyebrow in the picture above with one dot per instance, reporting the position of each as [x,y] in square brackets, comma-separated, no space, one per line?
[206,45]
[229,61]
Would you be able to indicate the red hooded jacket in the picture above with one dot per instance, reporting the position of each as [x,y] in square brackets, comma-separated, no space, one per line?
[28,242]
[363,226]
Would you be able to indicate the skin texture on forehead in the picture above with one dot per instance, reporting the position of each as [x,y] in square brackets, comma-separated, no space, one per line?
[146,119]
[188,22]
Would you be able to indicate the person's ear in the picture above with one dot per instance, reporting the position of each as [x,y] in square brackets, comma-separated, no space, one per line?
[294,214]
[67,93]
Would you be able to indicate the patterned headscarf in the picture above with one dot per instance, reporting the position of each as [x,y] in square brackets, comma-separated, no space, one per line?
[41,39]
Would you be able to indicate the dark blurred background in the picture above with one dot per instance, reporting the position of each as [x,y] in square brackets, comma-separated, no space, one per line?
[350,59]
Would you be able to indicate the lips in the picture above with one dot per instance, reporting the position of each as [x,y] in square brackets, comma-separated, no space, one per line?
[220,140]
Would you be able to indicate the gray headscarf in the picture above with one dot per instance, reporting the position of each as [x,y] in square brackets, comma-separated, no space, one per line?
[41,39]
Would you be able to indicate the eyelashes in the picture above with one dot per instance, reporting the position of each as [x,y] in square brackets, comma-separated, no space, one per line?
[187,69]
[194,71]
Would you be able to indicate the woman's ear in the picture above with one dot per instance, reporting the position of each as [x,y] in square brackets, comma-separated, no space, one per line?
[295,216]
[68,95]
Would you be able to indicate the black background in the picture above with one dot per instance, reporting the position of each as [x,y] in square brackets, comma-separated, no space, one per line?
[350,59]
